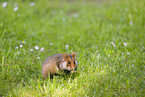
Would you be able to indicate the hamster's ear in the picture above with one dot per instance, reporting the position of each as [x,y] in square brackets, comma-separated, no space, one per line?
[74,54]
[65,56]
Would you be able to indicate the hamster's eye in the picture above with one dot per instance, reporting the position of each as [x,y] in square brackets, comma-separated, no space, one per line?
[68,62]
[74,62]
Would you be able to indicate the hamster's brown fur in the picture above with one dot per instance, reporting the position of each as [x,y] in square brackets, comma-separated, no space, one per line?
[58,63]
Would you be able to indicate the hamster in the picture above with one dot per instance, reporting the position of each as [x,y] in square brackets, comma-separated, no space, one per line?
[59,63]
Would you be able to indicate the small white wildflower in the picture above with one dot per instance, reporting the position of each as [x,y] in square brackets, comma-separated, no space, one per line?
[51,43]
[23,42]
[128,53]
[18,53]
[4,4]
[133,60]
[42,48]
[21,45]
[102,71]
[63,19]
[38,57]
[31,50]
[75,15]
[113,44]
[125,44]
[16,8]
[32,4]
[36,47]
[113,70]
[102,91]
[131,23]
[66,46]
[16,47]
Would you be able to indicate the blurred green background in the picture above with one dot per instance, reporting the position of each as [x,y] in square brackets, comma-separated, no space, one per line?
[108,36]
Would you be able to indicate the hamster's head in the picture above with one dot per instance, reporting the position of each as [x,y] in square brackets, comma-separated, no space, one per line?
[69,61]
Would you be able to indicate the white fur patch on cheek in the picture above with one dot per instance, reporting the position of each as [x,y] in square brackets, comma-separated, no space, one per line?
[68,67]
[64,65]
[76,61]
[63,59]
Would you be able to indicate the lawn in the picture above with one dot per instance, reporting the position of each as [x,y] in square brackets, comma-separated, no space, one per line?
[108,36]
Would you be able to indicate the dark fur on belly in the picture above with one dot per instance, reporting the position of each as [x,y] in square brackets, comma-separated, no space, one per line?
[67,71]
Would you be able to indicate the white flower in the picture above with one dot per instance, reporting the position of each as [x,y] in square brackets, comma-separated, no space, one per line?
[131,23]
[18,53]
[16,47]
[102,71]
[23,42]
[42,48]
[132,65]
[75,15]
[113,44]
[38,57]
[16,8]
[128,53]
[125,44]
[31,50]
[4,4]
[32,4]
[36,47]
[21,45]
[51,43]
[66,46]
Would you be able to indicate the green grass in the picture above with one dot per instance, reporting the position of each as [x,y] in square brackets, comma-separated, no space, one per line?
[89,28]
